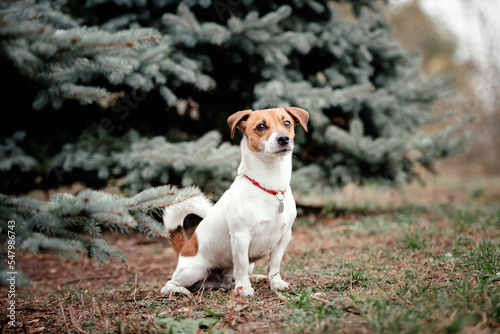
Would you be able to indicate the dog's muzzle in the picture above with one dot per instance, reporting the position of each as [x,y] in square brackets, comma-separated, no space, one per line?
[284,144]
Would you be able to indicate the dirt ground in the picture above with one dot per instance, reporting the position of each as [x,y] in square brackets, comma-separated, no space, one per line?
[56,279]
[68,293]
[79,287]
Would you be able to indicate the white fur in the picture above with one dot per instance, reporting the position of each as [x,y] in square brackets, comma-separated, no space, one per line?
[173,217]
[243,226]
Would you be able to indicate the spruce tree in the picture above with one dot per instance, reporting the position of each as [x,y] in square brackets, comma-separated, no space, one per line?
[138,92]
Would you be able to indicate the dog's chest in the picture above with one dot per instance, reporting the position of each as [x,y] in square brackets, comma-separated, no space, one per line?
[255,213]
[264,238]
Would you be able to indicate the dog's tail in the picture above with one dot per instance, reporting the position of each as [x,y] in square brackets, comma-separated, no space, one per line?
[173,218]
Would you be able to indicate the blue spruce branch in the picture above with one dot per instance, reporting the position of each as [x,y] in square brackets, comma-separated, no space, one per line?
[51,227]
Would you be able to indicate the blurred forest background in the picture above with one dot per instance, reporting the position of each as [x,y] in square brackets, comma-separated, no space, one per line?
[460,38]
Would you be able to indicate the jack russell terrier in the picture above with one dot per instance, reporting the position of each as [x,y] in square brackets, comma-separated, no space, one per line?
[254,217]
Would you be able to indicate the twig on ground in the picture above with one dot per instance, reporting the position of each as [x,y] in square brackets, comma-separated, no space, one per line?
[64,317]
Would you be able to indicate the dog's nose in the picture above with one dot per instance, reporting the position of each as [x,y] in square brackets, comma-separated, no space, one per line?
[283,140]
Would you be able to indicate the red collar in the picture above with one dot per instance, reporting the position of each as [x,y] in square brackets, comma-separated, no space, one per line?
[272,192]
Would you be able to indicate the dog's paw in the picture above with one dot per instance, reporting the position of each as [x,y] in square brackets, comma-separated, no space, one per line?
[171,287]
[255,279]
[279,285]
[244,291]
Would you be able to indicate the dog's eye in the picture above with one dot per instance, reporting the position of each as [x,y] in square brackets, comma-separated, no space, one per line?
[287,124]
[261,127]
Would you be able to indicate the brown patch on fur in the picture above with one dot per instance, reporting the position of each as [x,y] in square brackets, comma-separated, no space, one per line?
[191,247]
[245,119]
[178,239]
[235,119]
[273,119]
[300,116]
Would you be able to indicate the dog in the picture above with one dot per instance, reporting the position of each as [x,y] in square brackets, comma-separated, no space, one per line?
[253,218]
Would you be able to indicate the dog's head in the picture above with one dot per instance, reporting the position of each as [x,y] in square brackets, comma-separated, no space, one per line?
[270,130]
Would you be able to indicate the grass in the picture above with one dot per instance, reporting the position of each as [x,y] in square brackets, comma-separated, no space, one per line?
[431,268]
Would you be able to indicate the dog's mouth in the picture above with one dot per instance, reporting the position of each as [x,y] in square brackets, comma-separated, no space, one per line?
[283,151]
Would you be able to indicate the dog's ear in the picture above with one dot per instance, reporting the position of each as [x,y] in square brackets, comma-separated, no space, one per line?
[236,119]
[300,116]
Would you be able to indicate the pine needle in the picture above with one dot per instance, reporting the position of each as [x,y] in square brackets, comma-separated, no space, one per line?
[73,320]
[63,315]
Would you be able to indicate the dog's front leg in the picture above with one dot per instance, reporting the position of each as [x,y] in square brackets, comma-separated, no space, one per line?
[273,274]
[240,243]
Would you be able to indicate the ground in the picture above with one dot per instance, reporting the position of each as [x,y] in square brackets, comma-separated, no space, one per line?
[426,259]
